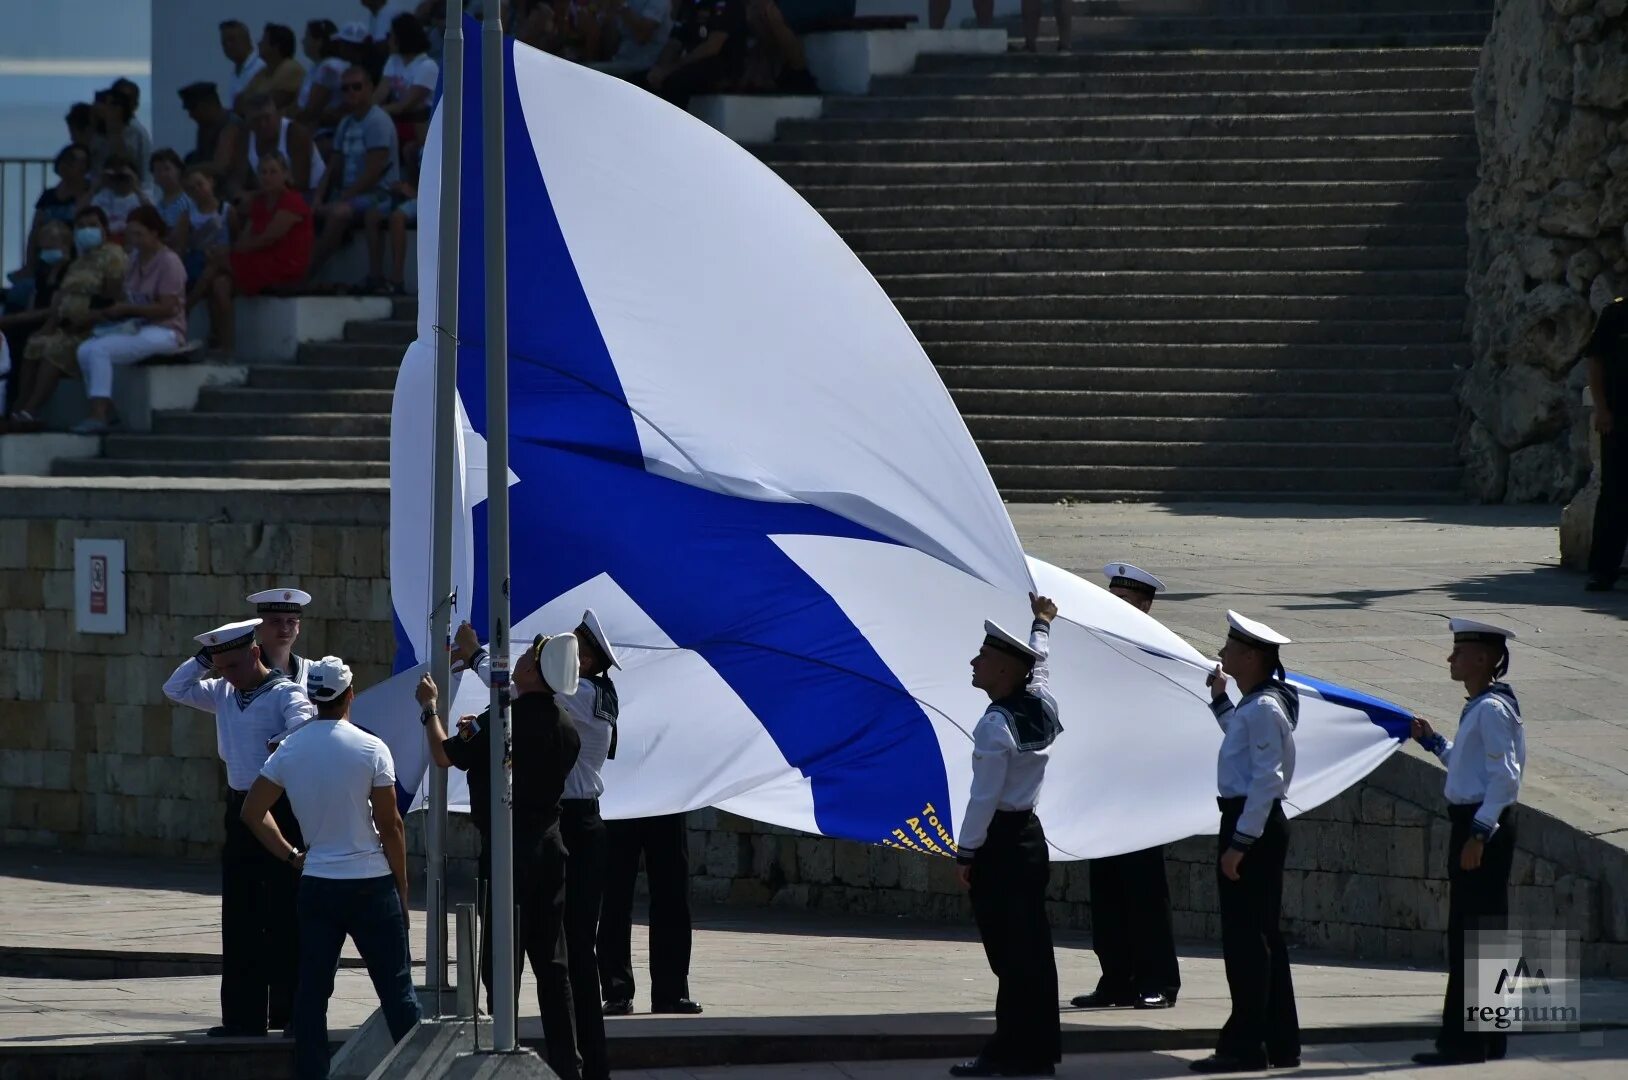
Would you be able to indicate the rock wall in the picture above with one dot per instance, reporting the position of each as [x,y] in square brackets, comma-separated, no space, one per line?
[1548,227]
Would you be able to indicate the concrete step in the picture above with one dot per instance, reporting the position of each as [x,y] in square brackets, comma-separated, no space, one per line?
[400,332]
[1330,455]
[1149,380]
[271,403]
[1003,309]
[191,448]
[1191,216]
[1019,260]
[1421,190]
[998,176]
[1228,331]
[1145,8]
[1048,482]
[1089,24]
[1251,405]
[1265,41]
[1204,430]
[1413,283]
[351,354]
[1034,102]
[1324,60]
[218,424]
[1218,235]
[1206,151]
[1046,124]
[1283,357]
[1316,83]
[324,378]
[320,469]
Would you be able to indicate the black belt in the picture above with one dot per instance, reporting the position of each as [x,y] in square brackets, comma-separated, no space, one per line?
[1011,815]
[1235,802]
[1466,812]
[580,806]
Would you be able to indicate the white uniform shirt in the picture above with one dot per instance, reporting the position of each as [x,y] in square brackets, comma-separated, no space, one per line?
[1484,763]
[329,769]
[1004,777]
[1257,757]
[244,723]
[593,712]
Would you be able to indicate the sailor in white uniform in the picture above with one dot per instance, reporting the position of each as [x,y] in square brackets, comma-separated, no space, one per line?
[280,610]
[254,708]
[1001,854]
[1484,766]
[1253,771]
[1132,931]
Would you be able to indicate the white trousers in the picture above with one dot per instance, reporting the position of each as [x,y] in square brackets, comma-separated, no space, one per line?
[97,355]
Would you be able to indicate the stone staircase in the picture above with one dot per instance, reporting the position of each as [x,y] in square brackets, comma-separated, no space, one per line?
[1179,273]
[326,416]
[1153,268]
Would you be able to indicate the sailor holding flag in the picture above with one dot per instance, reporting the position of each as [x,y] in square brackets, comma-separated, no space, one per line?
[1002,855]
[1253,773]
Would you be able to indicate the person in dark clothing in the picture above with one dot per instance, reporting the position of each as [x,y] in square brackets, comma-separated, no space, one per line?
[663,842]
[708,47]
[1607,353]
[544,747]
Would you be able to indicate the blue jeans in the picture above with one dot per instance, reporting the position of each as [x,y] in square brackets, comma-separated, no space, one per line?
[369,910]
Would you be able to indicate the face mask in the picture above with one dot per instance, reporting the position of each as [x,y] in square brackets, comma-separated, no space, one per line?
[50,256]
[88,238]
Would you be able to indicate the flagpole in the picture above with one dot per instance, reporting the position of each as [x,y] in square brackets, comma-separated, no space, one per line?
[445,511]
[497,523]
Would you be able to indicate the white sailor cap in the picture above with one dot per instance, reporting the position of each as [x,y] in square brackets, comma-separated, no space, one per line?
[234,635]
[327,678]
[1122,575]
[558,661]
[997,638]
[590,623]
[1251,632]
[1485,633]
[268,601]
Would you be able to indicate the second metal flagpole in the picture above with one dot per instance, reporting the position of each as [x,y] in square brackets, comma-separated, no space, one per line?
[444,496]
[497,524]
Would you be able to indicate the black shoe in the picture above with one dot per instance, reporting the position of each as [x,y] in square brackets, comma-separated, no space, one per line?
[1097,999]
[1292,1062]
[682,1005]
[221,1031]
[1154,999]
[1600,583]
[1438,1057]
[1225,1063]
[619,1007]
[981,1067]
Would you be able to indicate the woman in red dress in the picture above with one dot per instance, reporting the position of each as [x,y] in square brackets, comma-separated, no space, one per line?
[274,251]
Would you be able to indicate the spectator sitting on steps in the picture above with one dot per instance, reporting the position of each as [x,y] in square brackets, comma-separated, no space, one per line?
[282,76]
[94,281]
[405,213]
[219,130]
[171,201]
[775,61]
[238,46]
[150,321]
[30,308]
[705,51]
[274,251]
[269,132]
[362,169]
[119,195]
[636,32]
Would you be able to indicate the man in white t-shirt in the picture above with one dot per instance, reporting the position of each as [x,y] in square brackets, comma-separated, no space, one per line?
[341,782]
[238,46]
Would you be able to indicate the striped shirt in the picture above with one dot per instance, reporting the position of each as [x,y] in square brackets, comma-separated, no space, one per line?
[245,723]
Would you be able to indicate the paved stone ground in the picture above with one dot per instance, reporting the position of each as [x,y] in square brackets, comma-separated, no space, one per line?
[760,972]
[1363,592]
[1549,1057]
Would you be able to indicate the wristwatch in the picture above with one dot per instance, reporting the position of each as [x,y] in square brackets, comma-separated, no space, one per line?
[293,855]
[424,716]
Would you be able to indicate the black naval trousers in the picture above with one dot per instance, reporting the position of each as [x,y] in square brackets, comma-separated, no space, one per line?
[259,924]
[664,843]
[584,833]
[1009,876]
[1131,930]
[1263,1020]
[1611,511]
[539,896]
[1476,899]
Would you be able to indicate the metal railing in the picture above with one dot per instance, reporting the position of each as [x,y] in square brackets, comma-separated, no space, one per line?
[22,180]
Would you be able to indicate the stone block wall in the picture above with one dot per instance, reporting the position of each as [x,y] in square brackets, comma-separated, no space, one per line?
[92,756]
[1548,230]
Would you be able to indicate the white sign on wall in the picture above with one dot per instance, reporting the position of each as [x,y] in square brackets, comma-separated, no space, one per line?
[98,586]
